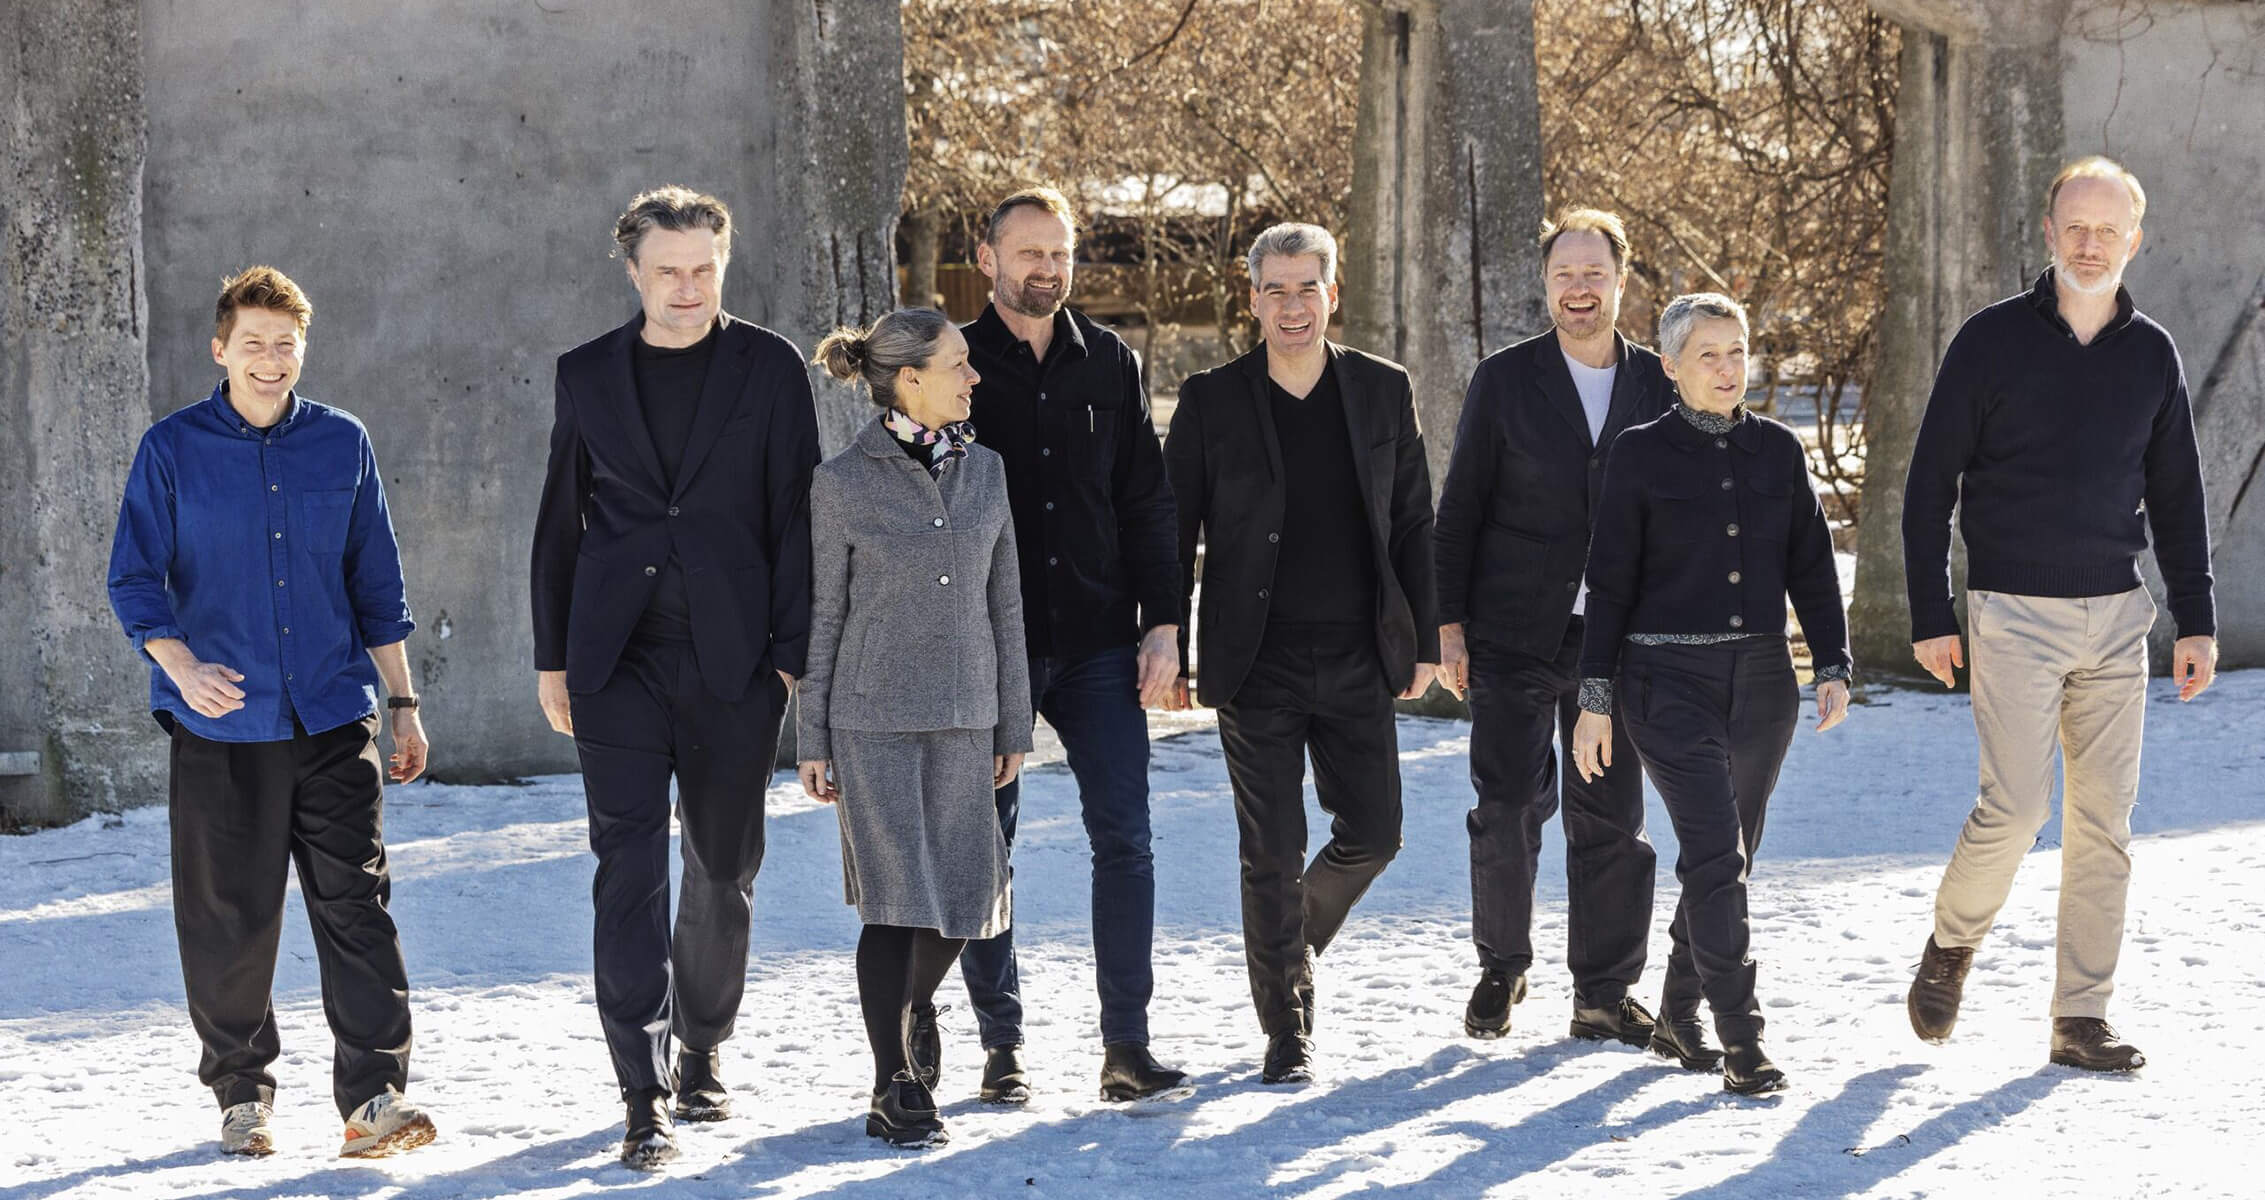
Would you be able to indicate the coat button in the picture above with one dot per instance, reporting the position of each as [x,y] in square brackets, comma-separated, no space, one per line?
[1732,529]
[1722,443]
[943,579]
[652,570]
[1572,585]
[1045,451]
[1262,593]
[1737,622]
[938,522]
[1274,537]
[674,510]
[1049,506]
[1726,485]
[1735,577]
[1052,561]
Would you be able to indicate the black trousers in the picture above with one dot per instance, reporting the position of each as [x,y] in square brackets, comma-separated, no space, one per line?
[1712,724]
[1522,710]
[654,719]
[240,812]
[1322,694]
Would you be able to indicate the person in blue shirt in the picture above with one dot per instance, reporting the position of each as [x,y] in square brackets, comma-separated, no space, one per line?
[255,567]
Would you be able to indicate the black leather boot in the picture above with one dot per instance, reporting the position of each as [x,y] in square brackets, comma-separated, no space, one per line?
[649,1137]
[700,1091]
[1684,1040]
[1488,1013]
[926,1045]
[1625,1022]
[1748,1071]
[904,1114]
[1289,1058]
[1130,1072]
[1004,1079]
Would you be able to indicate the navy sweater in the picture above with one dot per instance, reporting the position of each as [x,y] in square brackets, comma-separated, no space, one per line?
[2058,457]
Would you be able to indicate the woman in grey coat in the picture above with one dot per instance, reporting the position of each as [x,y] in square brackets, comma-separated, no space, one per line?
[915,705]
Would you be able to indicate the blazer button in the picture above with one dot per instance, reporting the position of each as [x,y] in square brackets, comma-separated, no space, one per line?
[674,510]
[1737,622]
[1727,485]
[1572,585]
[652,570]
[1732,529]
[1045,451]
[943,579]
[1052,561]
[1262,593]
[1049,506]
[1735,577]
[1274,537]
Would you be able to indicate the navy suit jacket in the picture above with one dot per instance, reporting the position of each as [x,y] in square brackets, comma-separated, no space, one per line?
[737,520]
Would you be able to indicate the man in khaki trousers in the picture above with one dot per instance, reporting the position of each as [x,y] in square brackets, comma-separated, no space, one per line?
[2059,429]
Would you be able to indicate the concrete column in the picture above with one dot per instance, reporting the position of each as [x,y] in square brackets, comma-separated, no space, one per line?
[75,735]
[1978,136]
[1440,266]
[841,162]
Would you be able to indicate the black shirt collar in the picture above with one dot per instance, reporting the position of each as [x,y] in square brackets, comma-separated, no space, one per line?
[2045,297]
[989,332]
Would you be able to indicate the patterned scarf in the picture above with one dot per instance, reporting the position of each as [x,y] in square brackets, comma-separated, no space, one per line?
[944,445]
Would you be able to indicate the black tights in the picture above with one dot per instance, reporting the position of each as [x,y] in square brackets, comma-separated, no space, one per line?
[898,969]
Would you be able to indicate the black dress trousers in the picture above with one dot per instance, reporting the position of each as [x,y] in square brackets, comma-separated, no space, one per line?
[1521,708]
[240,812]
[655,718]
[1318,691]
[1711,724]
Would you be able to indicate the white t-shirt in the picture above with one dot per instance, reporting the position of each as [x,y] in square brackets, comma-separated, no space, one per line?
[1595,386]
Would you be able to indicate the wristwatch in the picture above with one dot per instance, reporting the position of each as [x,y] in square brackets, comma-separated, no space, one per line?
[401,702]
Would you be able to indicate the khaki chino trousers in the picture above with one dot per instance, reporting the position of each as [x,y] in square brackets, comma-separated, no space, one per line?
[2066,673]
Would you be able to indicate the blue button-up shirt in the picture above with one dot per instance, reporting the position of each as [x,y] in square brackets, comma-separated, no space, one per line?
[267,551]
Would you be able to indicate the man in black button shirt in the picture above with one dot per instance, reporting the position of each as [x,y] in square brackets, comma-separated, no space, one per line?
[1512,539]
[1301,467]
[671,590]
[1061,401]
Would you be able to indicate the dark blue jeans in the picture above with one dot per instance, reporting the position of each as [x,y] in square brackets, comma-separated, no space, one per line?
[1093,704]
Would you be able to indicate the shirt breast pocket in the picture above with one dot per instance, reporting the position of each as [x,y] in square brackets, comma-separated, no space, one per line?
[324,520]
[1097,438]
[1680,513]
[1766,507]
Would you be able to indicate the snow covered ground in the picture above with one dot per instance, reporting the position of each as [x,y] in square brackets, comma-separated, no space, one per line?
[97,1061]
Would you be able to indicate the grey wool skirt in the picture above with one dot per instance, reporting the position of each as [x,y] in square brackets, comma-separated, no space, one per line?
[921,845]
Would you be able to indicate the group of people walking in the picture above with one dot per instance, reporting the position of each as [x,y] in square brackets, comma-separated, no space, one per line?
[1604,579]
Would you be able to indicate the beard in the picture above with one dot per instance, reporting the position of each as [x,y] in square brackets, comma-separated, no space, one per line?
[1030,303]
[1582,325]
[2106,285]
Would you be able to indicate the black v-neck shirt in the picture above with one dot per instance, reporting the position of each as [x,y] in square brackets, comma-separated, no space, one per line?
[1325,573]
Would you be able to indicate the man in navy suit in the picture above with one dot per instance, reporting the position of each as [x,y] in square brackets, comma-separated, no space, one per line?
[671,591]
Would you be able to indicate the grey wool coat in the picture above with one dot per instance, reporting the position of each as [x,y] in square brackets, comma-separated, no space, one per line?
[916,600]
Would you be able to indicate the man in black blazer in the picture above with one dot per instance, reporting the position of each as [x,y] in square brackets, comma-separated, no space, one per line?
[671,589]
[1511,542]
[1301,466]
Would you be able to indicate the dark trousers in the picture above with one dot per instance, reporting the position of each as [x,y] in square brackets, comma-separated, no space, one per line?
[652,719]
[1093,705]
[1522,710]
[1322,694]
[1712,724]
[240,812]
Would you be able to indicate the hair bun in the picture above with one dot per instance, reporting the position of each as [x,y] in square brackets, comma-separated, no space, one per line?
[856,349]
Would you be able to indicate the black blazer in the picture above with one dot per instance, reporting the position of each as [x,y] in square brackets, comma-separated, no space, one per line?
[1226,470]
[738,518]
[1522,489]
[1699,533]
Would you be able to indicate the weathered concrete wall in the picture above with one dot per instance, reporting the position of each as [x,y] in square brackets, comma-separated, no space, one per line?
[1440,262]
[2176,92]
[72,387]
[1995,97]
[442,178]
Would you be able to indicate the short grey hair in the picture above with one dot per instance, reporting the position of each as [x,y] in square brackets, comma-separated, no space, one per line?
[1291,239]
[675,208]
[1681,313]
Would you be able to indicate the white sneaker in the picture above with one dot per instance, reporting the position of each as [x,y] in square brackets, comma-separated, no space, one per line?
[243,1129]
[386,1124]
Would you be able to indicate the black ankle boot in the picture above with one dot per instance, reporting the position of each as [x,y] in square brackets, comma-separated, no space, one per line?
[1625,1022]
[904,1114]
[926,1045]
[1289,1058]
[1130,1072]
[700,1091]
[1005,1081]
[1684,1040]
[1488,1013]
[1748,1071]
[648,1136]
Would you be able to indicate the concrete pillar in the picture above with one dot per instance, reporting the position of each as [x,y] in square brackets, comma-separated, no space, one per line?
[1440,265]
[1978,136]
[75,735]
[840,68]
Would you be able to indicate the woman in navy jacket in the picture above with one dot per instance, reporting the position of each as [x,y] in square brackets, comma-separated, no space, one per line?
[1707,524]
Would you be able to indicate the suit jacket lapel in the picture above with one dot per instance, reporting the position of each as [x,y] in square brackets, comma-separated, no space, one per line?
[1356,406]
[621,380]
[1624,388]
[727,373]
[1262,404]
[1556,383]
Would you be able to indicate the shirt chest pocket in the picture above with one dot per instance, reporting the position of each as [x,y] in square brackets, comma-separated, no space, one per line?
[1765,507]
[1094,432]
[324,519]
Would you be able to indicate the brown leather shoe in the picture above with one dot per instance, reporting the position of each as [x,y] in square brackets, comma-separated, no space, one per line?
[1937,989]
[2091,1044]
